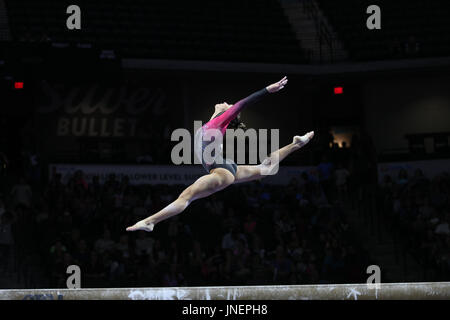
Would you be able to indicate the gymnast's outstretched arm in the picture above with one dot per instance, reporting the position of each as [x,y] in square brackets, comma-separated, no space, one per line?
[231,111]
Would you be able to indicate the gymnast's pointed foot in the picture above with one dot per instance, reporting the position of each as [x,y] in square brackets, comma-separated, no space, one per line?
[142,225]
[303,140]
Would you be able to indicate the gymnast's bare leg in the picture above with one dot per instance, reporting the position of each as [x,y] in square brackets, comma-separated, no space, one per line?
[256,172]
[219,179]
[204,186]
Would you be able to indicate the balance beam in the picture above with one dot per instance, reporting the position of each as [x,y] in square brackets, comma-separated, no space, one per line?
[384,291]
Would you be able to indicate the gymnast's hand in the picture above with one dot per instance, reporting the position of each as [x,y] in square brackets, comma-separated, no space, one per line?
[277,86]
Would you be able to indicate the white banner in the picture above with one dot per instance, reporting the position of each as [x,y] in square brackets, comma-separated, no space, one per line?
[154,174]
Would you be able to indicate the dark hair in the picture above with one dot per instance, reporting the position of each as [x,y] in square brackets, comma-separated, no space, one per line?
[236,123]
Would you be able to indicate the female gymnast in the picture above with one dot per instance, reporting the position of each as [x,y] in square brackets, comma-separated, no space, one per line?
[224,172]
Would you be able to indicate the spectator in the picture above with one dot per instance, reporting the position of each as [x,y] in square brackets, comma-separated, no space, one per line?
[22,194]
[2,208]
[402,177]
[172,277]
[144,244]
[341,176]
[250,224]
[412,46]
[442,228]
[325,170]
[123,247]
[105,243]
[229,239]
[6,240]
[94,270]
[281,266]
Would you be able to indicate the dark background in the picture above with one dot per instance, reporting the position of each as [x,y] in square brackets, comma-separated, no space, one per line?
[169,64]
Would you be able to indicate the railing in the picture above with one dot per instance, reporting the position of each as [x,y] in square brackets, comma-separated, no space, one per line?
[323,34]
[375,212]
[5,34]
[376,218]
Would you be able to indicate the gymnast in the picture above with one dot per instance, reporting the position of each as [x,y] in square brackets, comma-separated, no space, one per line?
[224,172]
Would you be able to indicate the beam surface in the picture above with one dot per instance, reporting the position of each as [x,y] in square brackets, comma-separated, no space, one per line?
[384,291]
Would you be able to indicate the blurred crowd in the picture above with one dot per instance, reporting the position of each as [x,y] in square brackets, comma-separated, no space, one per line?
[246,234]
[419,209]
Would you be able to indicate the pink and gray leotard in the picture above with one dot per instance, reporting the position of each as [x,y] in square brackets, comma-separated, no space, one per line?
[221,122]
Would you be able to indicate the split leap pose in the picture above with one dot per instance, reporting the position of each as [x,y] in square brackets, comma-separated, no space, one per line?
[224,172]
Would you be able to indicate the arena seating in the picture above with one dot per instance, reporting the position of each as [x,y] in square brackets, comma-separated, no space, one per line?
[244,30]
[416,28]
